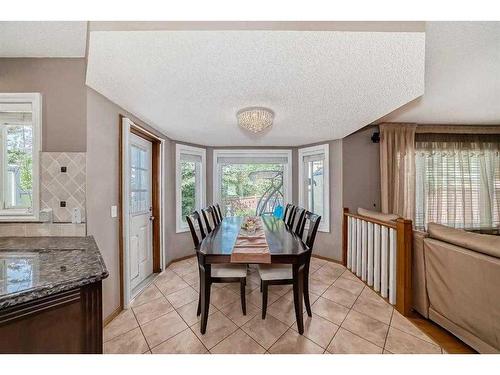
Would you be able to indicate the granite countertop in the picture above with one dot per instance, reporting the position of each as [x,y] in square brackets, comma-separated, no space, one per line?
[35,267]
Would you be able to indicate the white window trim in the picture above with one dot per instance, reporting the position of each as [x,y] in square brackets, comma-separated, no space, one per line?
[287,173]
[309,151]
[36,102]
[180,226]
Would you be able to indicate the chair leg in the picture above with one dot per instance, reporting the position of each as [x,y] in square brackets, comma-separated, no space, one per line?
[261,286]
[242,295]
[306,295]
[264,299]
[198,310]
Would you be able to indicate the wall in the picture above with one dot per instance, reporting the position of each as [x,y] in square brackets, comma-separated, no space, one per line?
[62,85]
[361,170]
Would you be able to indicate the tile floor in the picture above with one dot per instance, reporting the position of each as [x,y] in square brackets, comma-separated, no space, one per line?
[348,317]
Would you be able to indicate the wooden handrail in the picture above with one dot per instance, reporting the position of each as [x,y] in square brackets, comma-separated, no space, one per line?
[404,248]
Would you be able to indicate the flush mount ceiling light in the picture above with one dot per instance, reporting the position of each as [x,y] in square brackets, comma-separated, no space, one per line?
[255,119]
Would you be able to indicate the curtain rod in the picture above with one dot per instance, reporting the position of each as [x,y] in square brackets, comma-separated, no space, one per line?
[459,129]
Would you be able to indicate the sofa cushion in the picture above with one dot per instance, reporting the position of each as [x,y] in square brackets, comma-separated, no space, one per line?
[377,215]
[482,243]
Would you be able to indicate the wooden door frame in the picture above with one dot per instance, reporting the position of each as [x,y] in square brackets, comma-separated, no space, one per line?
[156,200]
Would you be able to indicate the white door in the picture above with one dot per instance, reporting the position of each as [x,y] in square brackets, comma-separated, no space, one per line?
[140,211]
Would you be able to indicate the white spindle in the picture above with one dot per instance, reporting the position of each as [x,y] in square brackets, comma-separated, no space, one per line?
[358,247]
[376,258]
[353,245]
[349,242]
[384,267]
[370,254]
[392,266]
[364,249]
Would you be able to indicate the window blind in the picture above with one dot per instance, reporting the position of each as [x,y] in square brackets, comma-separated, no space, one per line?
[252,160]
[191,158]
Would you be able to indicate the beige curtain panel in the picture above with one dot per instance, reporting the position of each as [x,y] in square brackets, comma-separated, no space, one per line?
[397,169]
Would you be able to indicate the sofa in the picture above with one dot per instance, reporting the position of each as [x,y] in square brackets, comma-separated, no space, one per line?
[456,283]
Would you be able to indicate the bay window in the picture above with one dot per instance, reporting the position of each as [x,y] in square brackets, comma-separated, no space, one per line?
[190,183]
[314,182]
[252,182]
[20,120]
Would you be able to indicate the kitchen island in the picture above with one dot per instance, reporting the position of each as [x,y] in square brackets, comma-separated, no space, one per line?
[50,295]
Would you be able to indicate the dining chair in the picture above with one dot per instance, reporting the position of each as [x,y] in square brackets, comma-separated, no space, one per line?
[281,274]
[287,211]
[217,207]
[220,273]
[298,221]
[208,217]
[291,216]
[215,216]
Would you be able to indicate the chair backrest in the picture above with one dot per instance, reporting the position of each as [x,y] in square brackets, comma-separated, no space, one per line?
[287,211]
[215,216]
[208,215]
[298,223]
[191,219]
[217,207]
[291,216]
[313,220]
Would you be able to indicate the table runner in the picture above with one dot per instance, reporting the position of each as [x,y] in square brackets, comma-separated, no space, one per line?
[251,248]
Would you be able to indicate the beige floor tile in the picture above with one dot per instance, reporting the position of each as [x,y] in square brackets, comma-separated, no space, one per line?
[366,327]
[183,267]
[192,278]
[188,312]
[132,342]
[171,285]
[350,276]
[317,263]
[283,309]
[350,285]
[162,328]
[318,286]
[330,310]
[399,342]
[400,322]
[148,294]
[293,343]
[167,274]
[221,297]
[341,296]
[334,265]
[327,274]
[371,304]
[265,331]
[256,298]
[124,322]
[185,342]
[318,329]
[182,297]
[235,288]
[218,328]
[346,342]
[279,290]
[233,311]
[152,310]
[238,343]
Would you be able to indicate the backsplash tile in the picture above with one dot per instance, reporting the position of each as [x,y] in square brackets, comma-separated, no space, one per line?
[58,186]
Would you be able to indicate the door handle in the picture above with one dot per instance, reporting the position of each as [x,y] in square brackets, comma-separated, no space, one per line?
[151,218]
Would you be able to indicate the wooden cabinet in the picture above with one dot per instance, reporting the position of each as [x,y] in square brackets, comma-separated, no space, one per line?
[65,322]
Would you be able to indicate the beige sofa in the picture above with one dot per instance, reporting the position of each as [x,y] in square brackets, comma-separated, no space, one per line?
[456,283]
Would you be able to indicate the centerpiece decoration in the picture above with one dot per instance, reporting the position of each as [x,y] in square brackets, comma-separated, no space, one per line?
[250,224]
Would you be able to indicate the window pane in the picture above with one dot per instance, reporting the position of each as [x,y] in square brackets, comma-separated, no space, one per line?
[188,188]
[317,187]
[251,189]
[19,168]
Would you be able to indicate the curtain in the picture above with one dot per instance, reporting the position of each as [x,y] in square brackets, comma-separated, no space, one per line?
[457,180]
[397,169]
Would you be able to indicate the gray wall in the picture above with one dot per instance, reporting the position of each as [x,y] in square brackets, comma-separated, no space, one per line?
[62,85]
[361,170]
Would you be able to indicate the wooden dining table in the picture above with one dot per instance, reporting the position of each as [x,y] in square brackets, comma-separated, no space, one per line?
[285,248]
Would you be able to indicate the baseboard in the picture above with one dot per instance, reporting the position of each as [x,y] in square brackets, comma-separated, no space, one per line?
[178,260]
[327,259]
[111,316]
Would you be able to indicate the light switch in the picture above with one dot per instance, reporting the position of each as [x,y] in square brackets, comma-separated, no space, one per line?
[114,211]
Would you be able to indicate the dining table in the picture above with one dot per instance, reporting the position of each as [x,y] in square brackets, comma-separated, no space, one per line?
[285,247]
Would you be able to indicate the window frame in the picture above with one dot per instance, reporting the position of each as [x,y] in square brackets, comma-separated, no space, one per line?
[287,173]
[180,225]
[323,149]
[22,214]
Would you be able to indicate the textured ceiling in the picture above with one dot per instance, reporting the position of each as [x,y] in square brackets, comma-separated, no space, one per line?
[42,39]
[462,76]
[321,85]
